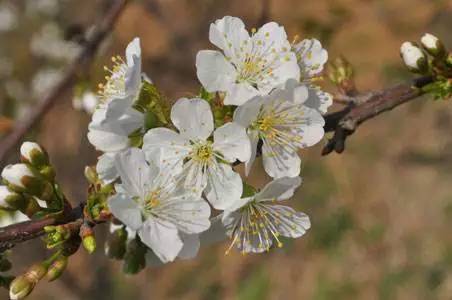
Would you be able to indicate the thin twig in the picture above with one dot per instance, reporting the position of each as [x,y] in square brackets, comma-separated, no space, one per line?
[86,56]
[345,121]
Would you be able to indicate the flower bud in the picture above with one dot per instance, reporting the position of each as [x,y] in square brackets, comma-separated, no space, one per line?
[414,58]
[433,45]
[36,272]
[88,240]
[33,154]
[11,200]
[20,288]
[57,268]
[31,207]
[16,174]
[24,178]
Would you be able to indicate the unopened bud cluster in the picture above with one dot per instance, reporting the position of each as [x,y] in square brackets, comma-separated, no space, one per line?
[28,181]
[24,284]
[431,57]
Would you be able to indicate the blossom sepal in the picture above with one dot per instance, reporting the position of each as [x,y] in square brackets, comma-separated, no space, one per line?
[115,247]
[135,257]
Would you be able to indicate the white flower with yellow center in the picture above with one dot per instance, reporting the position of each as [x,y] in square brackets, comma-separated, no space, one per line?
[284,124]
[203,164]
[256,223]
[114,118]
[312,57]
[248,65]
[151,203]
[124,77]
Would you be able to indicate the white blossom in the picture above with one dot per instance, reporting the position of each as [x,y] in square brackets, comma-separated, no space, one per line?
[14,174]
[312,57]
[203,163]
[248,65]
[284,124]
[124,79]
[154,205]
[256,223]
[413,56]
[115,118]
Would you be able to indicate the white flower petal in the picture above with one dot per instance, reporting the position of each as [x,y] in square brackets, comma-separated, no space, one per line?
[279,189]
[288,69]
[133,50]
[279,162]
[214,72]
[173,147]
[312,131]
[254,140]
[195,177]
[239,93]
[187,211]
[311,57]
[162,237]
[229,34]
[106,168]
[223,185]
[107,141]
[136,174]
[319,99]
[247,113]
[191,246]
[193,118]
[126,210]
[232,142]
[291,223]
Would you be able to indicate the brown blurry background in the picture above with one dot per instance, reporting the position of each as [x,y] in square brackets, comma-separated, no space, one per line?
[381,212]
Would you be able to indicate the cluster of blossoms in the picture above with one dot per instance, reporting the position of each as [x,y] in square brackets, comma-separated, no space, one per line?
[166,171]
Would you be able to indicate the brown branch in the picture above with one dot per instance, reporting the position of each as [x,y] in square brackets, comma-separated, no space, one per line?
[344,122]
[24,231]
[84,59]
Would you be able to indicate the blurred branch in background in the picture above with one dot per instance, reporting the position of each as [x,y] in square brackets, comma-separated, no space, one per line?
[84,59]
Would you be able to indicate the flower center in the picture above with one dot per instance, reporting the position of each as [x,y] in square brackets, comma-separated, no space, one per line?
[203,152]
[257,227]
[266,123]
[152,200]
[279,127]
[115,82]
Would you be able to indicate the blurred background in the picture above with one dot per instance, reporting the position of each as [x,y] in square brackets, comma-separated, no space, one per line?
[381,212]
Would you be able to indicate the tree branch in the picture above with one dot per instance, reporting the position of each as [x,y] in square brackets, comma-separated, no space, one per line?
[84,59]
[24,231]
[345,121]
